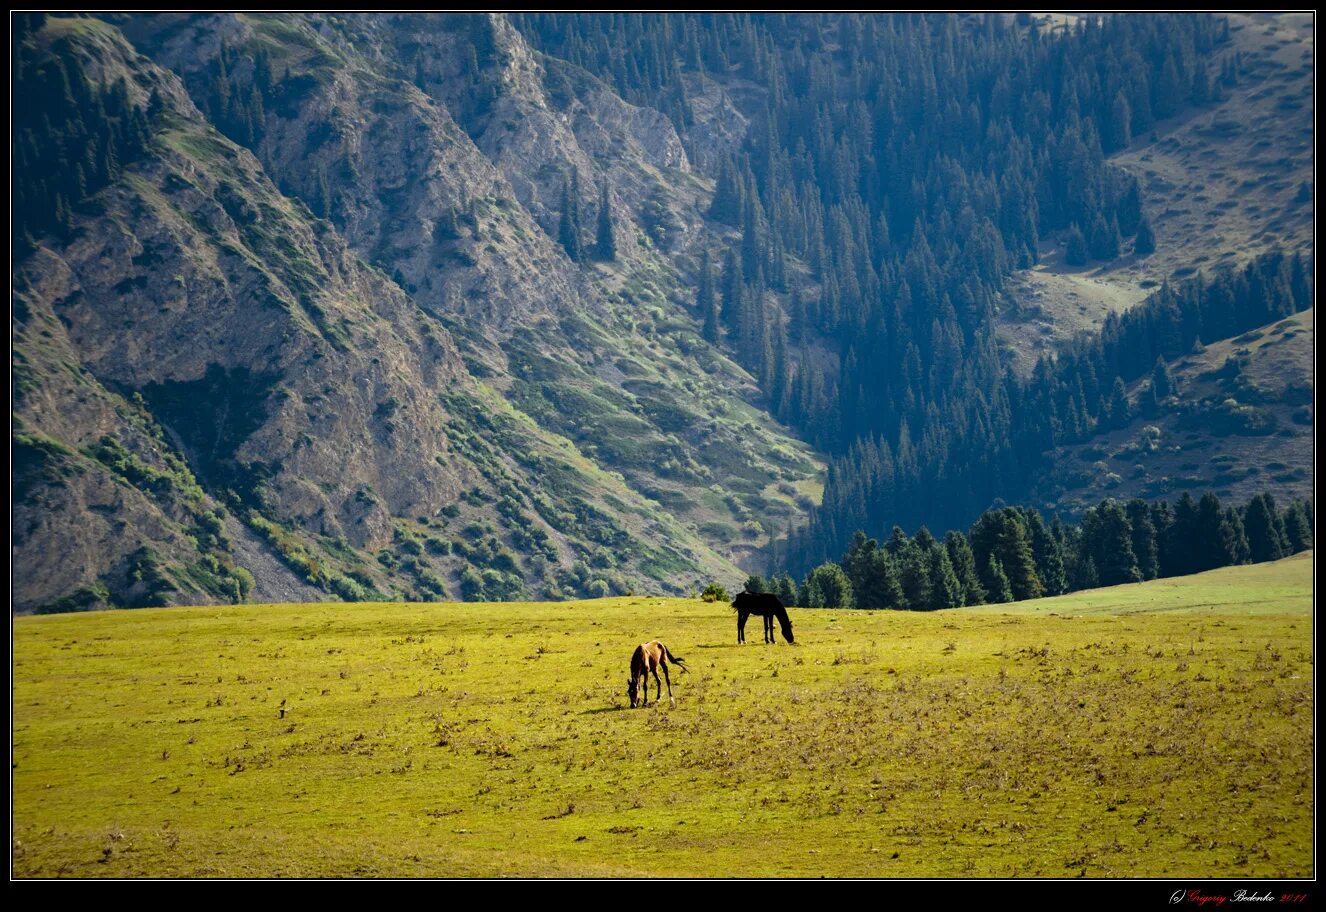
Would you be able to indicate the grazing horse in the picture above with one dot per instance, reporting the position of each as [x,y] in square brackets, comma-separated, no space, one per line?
[767,606]
[646,660]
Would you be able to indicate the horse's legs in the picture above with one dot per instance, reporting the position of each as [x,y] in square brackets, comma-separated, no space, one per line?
[768,628]
[667,677]
[741,626]
[658,686]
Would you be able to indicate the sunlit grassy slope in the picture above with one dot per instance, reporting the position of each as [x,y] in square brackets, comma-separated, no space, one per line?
[1159,729]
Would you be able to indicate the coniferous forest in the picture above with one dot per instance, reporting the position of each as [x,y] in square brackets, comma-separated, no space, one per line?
[1011,554]
[900,168]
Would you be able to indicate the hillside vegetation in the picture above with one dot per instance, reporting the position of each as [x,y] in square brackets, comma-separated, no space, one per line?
[1161,729]
[1250,427]
[488,307]
[1224,183]
[234,384]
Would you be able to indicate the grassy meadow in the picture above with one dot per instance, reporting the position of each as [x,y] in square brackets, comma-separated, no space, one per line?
[1162,729]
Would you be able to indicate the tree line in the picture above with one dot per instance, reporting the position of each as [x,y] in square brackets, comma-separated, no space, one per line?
[1011,554]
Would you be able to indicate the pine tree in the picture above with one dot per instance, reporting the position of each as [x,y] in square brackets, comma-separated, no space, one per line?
[1076,253]
[1002,534]
[1121,118]
[1104,241]
[882,587]
[1146,547]
[1181,542]
[964,566]
[856,560]
[1087,577]
[705,300]
[872,573]
[897,541]
[733,288]
[1048,553]
[156,106]
[729,202]
[568,227]
[1216,541]
[914,575]
[1107,539]
[1234,538]
[1145,244]
[997,584]
[1298,533]
[1162,381]
[323,194]
[1129,208]
[1265,530]
[945,589]
[786,590]
[605,245]
[1119,412]
[752,238]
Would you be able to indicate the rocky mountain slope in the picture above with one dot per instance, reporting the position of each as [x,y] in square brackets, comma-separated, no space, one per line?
[208,371]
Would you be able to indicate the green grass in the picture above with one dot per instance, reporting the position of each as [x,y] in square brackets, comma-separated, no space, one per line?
[1163,729]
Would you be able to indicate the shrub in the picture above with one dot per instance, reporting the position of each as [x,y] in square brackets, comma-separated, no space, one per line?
[348,589]
[244,579]
[714,592]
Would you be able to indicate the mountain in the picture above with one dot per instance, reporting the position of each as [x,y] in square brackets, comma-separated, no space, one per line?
[378,306]
[209,376]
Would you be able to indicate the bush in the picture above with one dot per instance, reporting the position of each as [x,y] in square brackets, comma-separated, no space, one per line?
[348,589]
[714,592]
[244,579]
[471,584]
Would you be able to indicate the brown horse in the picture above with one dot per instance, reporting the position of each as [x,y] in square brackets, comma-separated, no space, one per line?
[646,660]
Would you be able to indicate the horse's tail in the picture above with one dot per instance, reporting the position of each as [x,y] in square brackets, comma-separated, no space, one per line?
[680,663]
[784,622]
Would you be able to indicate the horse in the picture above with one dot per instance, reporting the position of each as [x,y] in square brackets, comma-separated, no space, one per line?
[647,659]
[768,607]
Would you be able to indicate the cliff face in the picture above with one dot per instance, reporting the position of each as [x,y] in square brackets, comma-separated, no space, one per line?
[348,358]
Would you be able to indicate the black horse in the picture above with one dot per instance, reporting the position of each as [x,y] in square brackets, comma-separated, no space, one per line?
[767,606]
